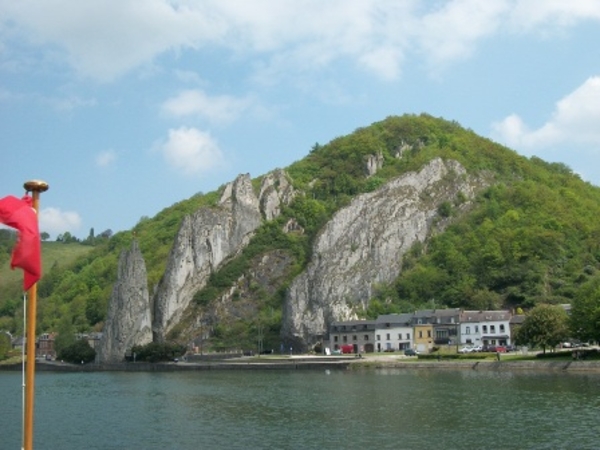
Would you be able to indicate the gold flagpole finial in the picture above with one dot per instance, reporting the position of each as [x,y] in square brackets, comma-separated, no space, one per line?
[36,186]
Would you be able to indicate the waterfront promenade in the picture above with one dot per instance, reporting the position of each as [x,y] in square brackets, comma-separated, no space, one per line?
[310,362]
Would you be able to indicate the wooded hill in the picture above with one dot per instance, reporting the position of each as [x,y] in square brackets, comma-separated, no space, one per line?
[531,237]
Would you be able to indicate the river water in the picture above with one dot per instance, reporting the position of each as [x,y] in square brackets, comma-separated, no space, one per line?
[304,409]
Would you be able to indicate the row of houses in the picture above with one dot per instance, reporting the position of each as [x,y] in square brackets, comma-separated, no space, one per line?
[422,330]
[44,344]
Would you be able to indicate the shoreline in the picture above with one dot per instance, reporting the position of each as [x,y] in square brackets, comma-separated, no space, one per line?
[317,363]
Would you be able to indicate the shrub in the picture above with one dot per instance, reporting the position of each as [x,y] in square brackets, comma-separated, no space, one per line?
[78,352]
[156,352]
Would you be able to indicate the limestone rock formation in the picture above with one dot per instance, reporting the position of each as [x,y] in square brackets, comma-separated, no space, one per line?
[363,245]
[276,190]
[128,320]
[204,241]
[374,164]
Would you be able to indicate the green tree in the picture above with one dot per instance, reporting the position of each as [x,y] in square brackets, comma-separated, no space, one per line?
[77,352]
[545,326]
[4,345]
[66,334]
[585,311]
[156,352]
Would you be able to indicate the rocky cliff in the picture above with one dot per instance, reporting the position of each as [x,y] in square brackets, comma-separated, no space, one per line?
[128,321]
[209,237]
[363,245]
[204,241]
[360,247]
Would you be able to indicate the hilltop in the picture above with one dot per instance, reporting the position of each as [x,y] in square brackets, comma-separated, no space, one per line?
[498,230]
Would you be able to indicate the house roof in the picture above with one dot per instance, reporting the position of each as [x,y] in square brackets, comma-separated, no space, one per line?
[517,319]
[484,316]
[394,319]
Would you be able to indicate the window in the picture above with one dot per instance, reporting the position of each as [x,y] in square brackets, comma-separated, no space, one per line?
[468,330]
[354,337]
[399,336]
[387,336]
[345,339]
[502,328]
[428,333]
[420,334]
[378,337]
[492,328]
[366,337]
[484,328]
[335,339]
[408,336]
[476,328]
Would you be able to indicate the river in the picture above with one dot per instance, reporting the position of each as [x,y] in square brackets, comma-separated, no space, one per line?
[306,409]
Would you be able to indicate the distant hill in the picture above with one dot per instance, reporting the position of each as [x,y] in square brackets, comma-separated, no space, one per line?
[54,254]
[530,236]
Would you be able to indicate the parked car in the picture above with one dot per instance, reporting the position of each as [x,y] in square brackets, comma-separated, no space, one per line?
[477,348]
[466,349]
[500,349]
[411,352]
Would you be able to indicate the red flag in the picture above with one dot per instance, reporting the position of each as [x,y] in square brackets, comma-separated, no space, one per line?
[19,214]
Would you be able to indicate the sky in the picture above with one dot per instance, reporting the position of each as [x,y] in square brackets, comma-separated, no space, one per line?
[125,107]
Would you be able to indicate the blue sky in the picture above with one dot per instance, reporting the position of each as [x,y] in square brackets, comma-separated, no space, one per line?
[127,106]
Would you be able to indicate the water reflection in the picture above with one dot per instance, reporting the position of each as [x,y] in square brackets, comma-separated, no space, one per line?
[386,408]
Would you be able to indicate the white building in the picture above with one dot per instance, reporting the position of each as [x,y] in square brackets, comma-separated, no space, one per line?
[485,328]
[393,332]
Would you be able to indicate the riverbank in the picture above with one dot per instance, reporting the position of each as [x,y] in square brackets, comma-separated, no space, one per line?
[307,362]
[492,365]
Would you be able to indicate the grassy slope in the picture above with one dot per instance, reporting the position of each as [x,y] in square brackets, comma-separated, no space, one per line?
[52,252]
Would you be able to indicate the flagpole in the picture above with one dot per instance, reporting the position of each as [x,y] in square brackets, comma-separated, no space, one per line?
[35,187]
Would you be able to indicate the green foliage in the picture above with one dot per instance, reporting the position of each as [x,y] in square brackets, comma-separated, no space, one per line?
[545,326]
[79,352]
[531,237]
[585,311]
[5,345]
[157,352]
[445,209]
[66,335]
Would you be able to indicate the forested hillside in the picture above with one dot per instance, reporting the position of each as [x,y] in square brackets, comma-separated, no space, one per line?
[531,237]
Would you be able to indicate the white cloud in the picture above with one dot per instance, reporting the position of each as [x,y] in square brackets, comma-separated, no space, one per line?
[545,15]
[191,151]
[453,31]
[106,158]
[104,39]
[217,109]
[54,221]
[575,121]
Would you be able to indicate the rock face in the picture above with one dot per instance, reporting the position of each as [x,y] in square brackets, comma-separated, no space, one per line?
[363,245]
[275,190]
[128,320]
[204,241]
